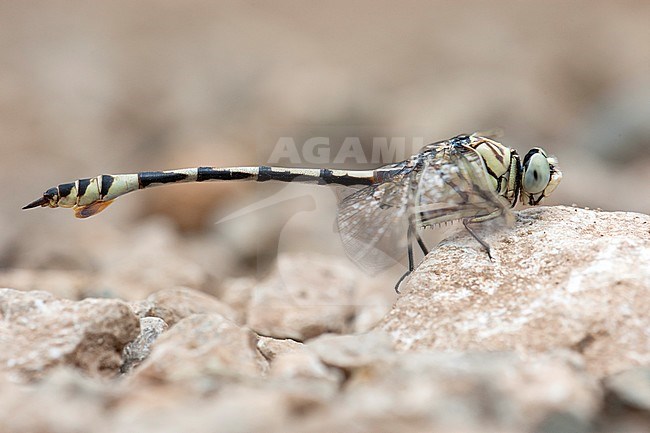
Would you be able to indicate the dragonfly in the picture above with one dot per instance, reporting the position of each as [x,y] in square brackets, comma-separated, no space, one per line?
[470,178]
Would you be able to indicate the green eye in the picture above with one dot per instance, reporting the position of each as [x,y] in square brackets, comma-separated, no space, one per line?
[537,173]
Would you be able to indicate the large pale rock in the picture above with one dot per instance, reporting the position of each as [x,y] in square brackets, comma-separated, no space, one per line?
[561,277]
[304,297]
[202,345]
[39,331]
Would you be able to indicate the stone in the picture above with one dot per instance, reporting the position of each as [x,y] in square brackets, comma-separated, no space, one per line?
[235,408]
[303,364]
[202,346]
[290,359]
[411,392]
[237,293]
[631,387]
[352,351]
[137,350]
[466,391]
[372,308]
[458,392]
[562,277]
[305,296]
[172,305]
[61,283]
[65,400]
[271,348]
[39,332]
[141,308]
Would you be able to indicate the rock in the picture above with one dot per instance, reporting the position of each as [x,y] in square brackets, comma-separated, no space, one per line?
[291,359]
[626,405]
[137,351]
[304,297]
[272,347]
[410,392]
[142,308]
[39,331]
[631,387]
[303,364]
[63,284]
[352,351]
[561,277]
[299,372]
[237,293]
[172,305]
[202,346]
[564,422]
[65,400]
[235,408]
[466,391]
[372,308]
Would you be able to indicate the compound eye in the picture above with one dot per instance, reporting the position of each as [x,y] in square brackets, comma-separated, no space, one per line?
[537,173]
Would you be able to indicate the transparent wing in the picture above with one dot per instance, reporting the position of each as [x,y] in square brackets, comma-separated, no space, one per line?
[448,183]
[373,223]
[453,185]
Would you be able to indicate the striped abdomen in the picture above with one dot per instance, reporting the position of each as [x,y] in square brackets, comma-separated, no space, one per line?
[90,196]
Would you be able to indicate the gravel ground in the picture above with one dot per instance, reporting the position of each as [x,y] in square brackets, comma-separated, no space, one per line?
[551,335]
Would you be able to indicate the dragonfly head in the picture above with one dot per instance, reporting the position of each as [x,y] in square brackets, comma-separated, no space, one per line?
[539,176]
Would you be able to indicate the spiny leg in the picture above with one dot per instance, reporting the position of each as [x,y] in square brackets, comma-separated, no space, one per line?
[410,257]
[485,245]
[423,247]
[409,237]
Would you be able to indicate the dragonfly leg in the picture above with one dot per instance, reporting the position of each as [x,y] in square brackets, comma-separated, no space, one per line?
[402,278]
[423,247]
[409,236]
[485,245]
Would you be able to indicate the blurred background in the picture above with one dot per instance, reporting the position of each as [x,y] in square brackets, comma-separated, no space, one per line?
[113,87]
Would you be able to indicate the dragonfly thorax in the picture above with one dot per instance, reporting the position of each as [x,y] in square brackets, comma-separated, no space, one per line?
[530,181]
[502,167]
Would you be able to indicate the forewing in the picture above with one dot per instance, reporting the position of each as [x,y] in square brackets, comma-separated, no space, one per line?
[372,223]
[449,183]
[453,185]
